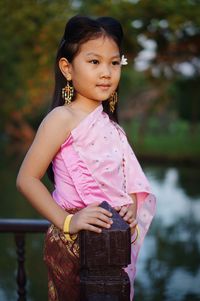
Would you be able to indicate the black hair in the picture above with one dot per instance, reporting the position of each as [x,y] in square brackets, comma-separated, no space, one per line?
[80,29]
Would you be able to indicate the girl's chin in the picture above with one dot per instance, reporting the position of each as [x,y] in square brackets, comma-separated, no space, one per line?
[101,98]
[104,96]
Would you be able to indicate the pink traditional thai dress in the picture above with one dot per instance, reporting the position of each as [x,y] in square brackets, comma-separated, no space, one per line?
[96,164]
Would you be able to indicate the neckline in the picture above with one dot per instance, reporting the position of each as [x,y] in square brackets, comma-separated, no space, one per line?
[87,118]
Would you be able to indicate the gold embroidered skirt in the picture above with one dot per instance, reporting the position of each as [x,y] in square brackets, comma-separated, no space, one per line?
[62,259]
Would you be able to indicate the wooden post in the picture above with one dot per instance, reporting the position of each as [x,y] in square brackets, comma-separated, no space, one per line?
[21,276]
[102,259]
[20,227]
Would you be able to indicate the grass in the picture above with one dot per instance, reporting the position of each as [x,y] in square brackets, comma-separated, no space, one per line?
[173,141]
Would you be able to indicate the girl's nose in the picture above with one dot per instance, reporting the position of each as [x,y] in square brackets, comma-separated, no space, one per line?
[106,71]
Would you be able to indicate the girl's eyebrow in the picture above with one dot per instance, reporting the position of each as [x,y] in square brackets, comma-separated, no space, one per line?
[95,54]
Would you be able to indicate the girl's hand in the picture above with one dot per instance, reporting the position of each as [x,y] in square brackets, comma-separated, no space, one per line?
[128,214]
[90,217]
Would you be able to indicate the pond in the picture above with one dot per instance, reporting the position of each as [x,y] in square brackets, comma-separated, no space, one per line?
[169,262]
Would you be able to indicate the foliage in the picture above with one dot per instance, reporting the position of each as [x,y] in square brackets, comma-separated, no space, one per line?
[168,23]
[173,29]
[30,32]
[186,95]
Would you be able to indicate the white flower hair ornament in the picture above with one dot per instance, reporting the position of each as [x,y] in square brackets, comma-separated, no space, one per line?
[124,60]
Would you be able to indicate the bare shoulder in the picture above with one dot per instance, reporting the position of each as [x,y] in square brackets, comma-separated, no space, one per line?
[61,115]
[52,132]
[56,125]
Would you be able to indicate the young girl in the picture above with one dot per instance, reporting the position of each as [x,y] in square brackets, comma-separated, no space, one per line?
[86,153]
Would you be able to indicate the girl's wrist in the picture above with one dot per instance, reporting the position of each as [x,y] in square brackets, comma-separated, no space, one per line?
[66,227]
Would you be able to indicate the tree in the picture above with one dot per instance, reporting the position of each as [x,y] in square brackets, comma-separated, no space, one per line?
[30,32]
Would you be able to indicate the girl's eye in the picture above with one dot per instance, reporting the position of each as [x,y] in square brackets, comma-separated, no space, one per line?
[116,63]
[94,62]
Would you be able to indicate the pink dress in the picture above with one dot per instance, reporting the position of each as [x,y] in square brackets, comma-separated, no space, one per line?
[96,163]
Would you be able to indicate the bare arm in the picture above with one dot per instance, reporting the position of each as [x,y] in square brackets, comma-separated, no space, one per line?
[50,135]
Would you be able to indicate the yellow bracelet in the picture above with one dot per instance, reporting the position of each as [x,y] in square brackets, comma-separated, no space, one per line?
[68,236]
[137,234]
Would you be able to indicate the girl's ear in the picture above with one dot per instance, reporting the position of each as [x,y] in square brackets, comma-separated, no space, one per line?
[65,68]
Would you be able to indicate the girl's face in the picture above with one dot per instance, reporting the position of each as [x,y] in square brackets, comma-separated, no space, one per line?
[96,69]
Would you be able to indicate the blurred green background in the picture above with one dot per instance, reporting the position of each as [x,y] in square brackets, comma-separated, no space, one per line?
[159,108]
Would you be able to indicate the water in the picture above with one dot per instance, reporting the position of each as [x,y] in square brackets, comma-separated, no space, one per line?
[169,262]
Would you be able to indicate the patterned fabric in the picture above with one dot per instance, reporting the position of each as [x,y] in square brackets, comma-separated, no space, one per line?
[62,259]
[96,164]
[89,166]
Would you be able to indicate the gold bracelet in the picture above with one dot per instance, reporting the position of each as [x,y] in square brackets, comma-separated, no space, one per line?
[68,236]
[137,234]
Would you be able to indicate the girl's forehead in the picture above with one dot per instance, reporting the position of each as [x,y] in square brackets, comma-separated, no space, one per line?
[100,45]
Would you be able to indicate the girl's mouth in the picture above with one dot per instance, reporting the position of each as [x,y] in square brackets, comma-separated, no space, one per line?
[104,87]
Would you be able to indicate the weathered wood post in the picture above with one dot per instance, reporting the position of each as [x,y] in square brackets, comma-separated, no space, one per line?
[102,259]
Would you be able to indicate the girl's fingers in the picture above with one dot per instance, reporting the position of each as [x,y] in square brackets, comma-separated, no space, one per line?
[102,217]
[99,219]
[93,222]
[104,211]
[117,208]
[133,224]
[123,211]
[83,219]
[128,216]
[88,216]
[99,223]
[95,208]
[131,220]
[92,228]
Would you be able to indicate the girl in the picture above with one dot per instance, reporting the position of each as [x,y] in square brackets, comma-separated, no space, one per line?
[86,153]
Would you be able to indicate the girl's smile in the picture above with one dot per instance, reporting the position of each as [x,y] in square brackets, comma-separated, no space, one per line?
[104,87]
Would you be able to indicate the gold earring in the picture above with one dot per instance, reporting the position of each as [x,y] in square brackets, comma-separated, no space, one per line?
[113,101]
[67,93]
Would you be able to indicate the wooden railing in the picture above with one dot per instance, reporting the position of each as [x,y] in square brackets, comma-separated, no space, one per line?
[101,272]
[19,227]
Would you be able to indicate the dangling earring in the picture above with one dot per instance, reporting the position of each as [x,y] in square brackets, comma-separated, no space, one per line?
[113,101]
[67,93]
